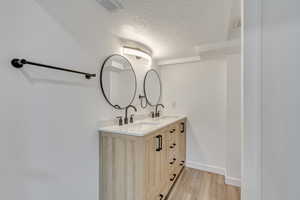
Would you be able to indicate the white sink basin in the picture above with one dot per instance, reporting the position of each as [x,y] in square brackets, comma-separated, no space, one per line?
[168,117]
[165,118]
[142,126]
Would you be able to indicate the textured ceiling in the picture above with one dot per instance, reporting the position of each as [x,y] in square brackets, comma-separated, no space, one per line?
[173,28]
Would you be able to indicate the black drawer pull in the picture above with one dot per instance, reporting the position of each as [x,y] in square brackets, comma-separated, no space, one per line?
[158,144]
[183,127]
[171,163]
[173,178]
[159,148]
[174,144]
[171,147]
[174,159]
[161,196]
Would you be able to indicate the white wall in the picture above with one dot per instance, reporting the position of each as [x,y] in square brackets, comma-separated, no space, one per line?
[281,97]
[198,90]
[272,42]
[209,93]
[252,97]
[49,146]
[234,119]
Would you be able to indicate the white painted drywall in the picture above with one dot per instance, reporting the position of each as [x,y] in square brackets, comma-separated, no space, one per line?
[234,119]
[209,93]
[49,146]
[252,115]
[199,90]
[273,44]
[281,97]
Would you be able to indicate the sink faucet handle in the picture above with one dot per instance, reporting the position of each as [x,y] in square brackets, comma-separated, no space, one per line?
[131,118]
[152,114]
[120,120]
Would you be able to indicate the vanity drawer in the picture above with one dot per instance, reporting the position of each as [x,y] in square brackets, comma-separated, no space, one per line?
[171,140]
[173,177]
[171,132]
[173,167]
[173,162]
[164,192]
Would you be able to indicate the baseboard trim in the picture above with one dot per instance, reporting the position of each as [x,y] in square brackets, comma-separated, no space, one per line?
[233,181]
[216,170]
[207,168]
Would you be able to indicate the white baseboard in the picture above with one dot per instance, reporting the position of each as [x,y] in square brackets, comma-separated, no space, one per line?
[207,168]
[216,170]
[233,181]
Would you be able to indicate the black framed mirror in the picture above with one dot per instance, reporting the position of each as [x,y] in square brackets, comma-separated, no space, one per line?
[152,87]
[118,81]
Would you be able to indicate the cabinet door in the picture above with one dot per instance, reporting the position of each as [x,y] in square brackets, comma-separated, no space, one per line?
[155,165]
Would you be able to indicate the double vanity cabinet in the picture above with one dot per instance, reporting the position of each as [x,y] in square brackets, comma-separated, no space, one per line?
[142,161]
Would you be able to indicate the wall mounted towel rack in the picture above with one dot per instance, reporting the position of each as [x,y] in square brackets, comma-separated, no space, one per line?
[19,63]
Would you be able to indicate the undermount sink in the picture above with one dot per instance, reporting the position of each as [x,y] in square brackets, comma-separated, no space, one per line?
[166,117]
[142,125]
[169,117]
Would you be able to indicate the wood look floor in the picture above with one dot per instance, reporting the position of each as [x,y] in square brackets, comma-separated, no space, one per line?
[198,185]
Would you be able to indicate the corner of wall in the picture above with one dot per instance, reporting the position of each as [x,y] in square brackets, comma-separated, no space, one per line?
[216,170]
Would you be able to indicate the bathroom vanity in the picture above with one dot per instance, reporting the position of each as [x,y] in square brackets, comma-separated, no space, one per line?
[141,161]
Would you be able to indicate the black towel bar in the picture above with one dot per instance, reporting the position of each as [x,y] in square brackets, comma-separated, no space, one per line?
[18,63]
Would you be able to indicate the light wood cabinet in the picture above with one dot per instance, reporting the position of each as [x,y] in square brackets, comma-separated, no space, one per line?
[155,168]
[142,168]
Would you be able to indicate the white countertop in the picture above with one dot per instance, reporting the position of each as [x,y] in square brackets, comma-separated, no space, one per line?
[142,127]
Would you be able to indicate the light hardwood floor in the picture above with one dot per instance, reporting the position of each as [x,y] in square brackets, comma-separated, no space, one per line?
[198,185]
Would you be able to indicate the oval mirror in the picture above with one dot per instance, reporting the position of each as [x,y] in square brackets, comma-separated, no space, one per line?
[118,81]
[152,87]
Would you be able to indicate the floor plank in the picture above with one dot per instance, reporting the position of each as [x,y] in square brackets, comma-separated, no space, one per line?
[199,185]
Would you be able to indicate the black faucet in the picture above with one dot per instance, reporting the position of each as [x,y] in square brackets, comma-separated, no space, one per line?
[126,113]
[156,109]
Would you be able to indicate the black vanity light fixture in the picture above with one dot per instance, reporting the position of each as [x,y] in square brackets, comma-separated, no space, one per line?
[19,63]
